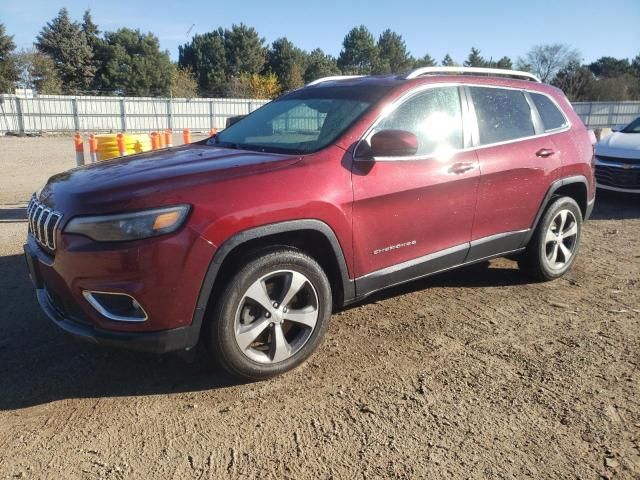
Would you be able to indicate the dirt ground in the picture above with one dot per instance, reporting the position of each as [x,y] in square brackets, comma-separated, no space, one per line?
[476,373]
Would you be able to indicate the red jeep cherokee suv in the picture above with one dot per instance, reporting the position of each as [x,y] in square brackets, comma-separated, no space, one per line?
[248,240]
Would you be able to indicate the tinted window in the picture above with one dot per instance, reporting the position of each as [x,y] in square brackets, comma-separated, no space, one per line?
[502,114]
[434,116]
[551,116]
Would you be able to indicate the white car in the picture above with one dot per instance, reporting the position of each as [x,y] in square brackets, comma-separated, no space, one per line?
[618,159]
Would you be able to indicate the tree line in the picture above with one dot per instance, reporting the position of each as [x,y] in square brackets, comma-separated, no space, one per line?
[75,57]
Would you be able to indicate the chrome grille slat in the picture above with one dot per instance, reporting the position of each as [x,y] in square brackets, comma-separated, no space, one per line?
[43,224]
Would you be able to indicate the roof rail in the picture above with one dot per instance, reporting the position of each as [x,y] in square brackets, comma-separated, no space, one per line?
[499,72]
[334,77]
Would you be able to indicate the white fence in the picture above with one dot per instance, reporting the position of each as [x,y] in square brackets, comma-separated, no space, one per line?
[607,114]
[57,113]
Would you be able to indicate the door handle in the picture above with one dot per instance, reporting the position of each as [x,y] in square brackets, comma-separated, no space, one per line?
[461,167]
[544,152]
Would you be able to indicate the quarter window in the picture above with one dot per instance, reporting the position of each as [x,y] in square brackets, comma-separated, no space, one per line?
[434,116]
[502,114]
[552,117]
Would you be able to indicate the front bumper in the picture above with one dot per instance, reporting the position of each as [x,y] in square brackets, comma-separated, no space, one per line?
[165,275]
[157,342]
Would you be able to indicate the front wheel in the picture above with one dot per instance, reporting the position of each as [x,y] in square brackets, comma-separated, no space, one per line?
[271,316]
[554,246]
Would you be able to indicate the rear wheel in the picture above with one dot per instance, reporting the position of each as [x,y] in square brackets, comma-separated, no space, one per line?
[554,246]
[271,316]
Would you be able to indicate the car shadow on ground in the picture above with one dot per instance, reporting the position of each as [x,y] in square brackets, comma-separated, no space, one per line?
[616,206]
[40,364]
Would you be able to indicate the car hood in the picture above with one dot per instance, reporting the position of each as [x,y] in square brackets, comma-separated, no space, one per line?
[618,144]
[126,182]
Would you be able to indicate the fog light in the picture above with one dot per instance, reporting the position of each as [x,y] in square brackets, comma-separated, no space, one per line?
[116,306]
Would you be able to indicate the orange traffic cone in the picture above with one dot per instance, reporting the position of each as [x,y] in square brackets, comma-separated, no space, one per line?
[93,148]
[77,140]
[121,148]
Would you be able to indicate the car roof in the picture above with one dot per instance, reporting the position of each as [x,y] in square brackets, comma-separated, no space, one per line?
[393,81]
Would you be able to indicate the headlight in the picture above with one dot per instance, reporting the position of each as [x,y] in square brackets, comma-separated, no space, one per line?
[130,226]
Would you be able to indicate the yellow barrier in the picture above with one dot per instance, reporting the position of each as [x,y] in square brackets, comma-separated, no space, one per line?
[133,143]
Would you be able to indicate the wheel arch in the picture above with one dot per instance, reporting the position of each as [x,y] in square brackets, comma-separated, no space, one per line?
[311,236]
[576,187]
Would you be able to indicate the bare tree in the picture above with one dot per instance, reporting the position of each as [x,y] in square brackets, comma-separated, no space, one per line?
[547,60]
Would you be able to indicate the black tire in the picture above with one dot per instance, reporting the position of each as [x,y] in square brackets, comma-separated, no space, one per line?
[234,302]
[536,261]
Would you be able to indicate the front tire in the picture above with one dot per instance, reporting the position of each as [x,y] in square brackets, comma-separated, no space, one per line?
[271,316]
[555,242]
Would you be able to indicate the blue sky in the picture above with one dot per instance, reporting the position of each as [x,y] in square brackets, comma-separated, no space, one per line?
[497,28]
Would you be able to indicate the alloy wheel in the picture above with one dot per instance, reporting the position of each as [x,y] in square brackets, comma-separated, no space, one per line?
[276,316]
[561,239]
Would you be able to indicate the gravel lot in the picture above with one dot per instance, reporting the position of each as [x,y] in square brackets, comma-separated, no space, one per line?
[475,373]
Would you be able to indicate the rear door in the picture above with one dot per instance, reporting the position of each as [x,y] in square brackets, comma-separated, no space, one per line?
[518,163]
[409,207]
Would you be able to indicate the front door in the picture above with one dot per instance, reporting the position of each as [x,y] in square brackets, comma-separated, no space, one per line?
[413,215]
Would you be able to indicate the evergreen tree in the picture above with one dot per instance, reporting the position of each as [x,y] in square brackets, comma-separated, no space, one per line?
[635,64]
[320,65]
[505,63]
[244,50]
[447,61]
[575,81]
[132,64]
[89,28]
[426,61]
[393,56]
[8,70]
[359,52]
[205,56]
[610,67]
[475,59]
[67,45]
[288,63]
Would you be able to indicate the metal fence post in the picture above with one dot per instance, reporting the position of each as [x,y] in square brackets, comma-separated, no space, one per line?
[20,118]
[169,115]
[76,116]
[610,116]
[123,115]
[211,114]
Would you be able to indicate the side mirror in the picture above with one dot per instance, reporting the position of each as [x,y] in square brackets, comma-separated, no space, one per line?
[231,120]
[617,128]
[393,143]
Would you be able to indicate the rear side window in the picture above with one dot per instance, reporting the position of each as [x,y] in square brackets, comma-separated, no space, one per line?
[502,114]
[552,117]
[434,116]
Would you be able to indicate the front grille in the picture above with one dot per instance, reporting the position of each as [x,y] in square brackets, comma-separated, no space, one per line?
[43,224]
[618,177]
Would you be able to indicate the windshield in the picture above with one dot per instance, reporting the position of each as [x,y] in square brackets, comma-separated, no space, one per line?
[301,122]
[633,127]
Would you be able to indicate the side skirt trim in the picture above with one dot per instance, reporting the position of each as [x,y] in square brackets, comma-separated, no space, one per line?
[448,259]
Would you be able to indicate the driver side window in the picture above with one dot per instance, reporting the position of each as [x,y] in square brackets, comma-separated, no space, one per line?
[433,116]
